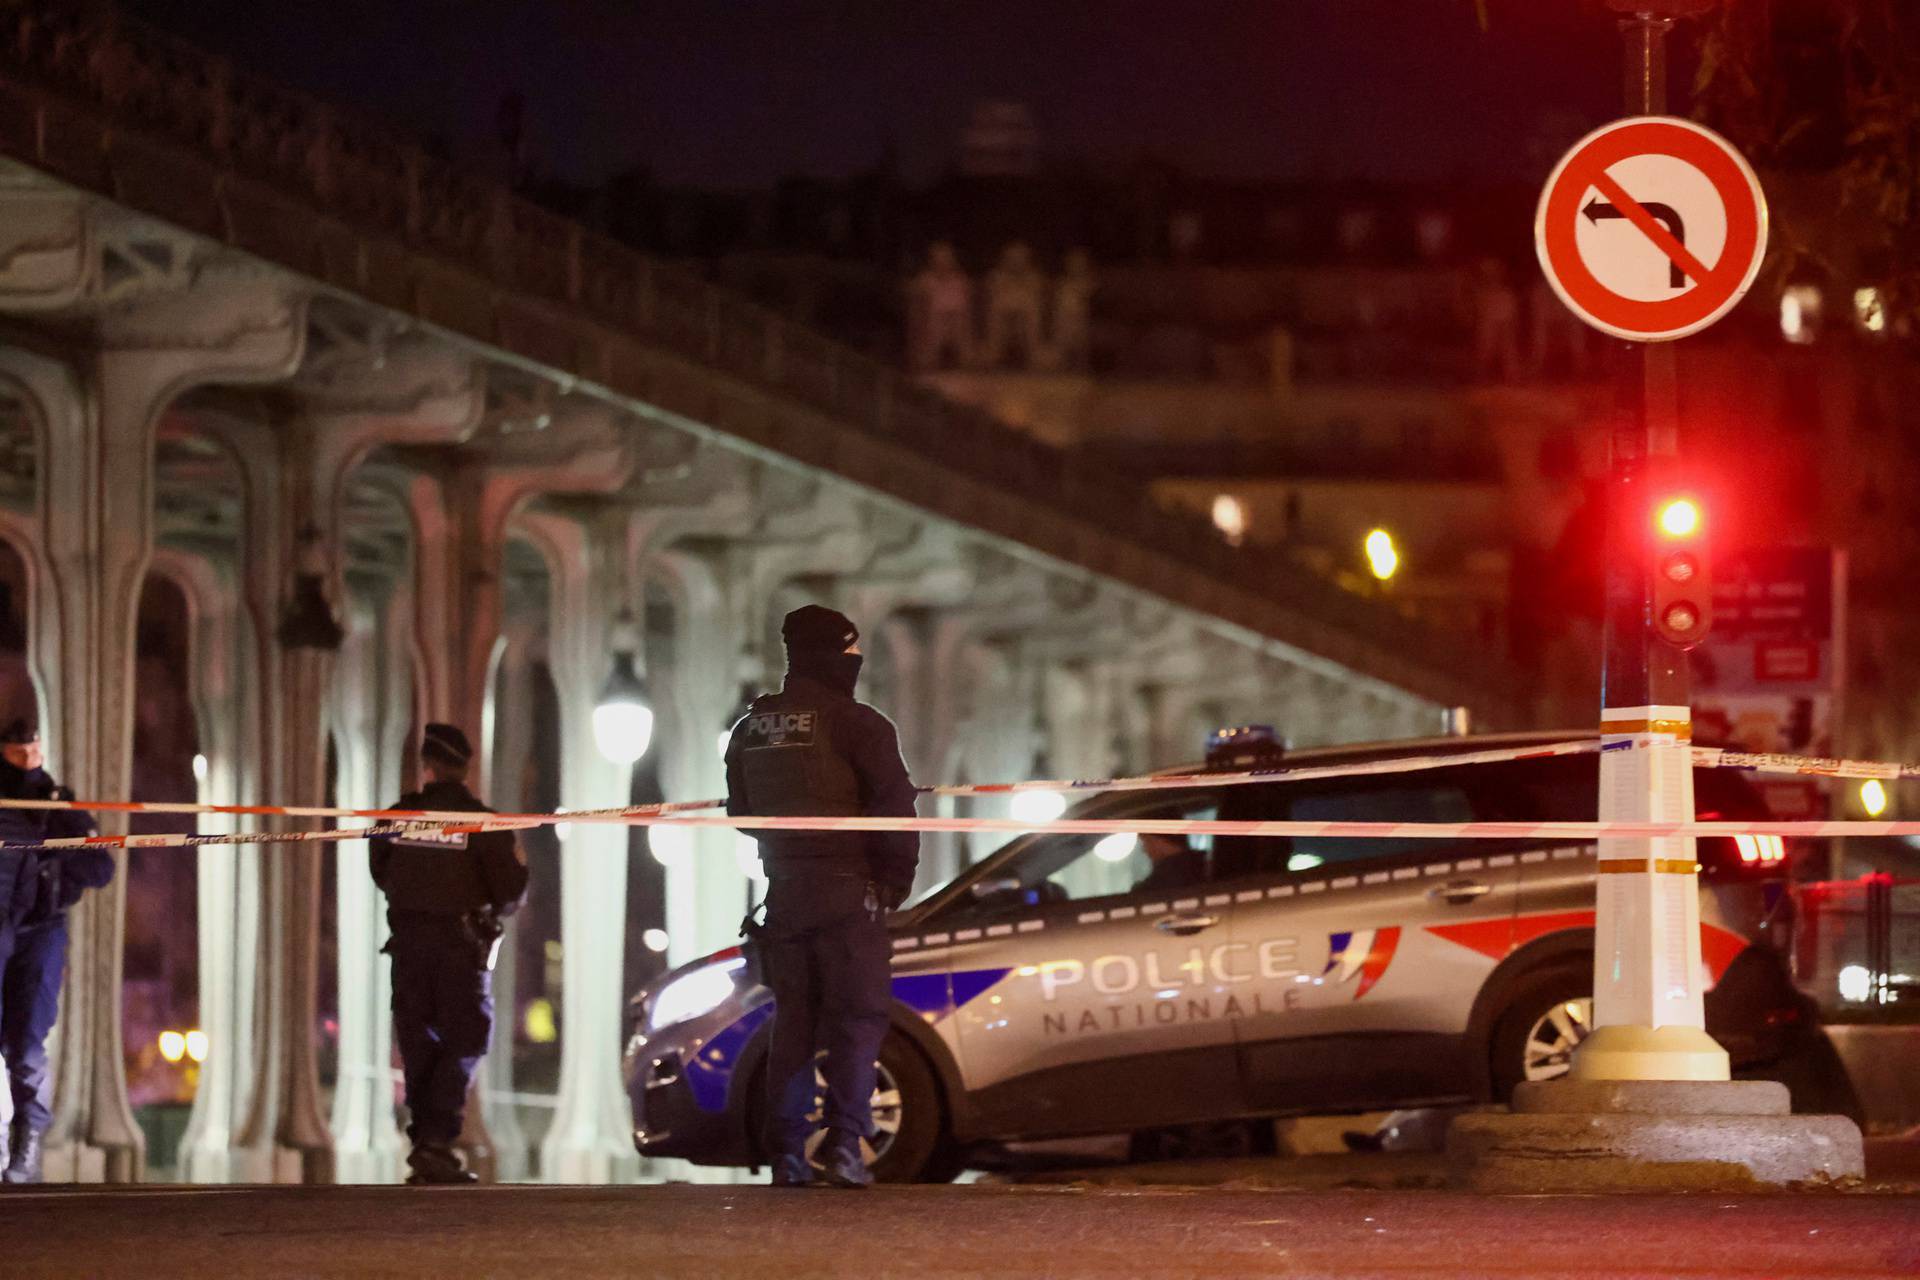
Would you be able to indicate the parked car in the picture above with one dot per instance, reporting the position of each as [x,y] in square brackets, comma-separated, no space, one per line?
[1074,984]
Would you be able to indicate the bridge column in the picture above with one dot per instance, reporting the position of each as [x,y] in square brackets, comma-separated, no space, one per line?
[513,744]
[227,877]
[371,715]
[461,507]
[697,693]
[292,475]
[591,1138]
[95,480]
[1001,736]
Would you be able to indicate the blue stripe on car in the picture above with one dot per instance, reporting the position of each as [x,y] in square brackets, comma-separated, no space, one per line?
[933,996]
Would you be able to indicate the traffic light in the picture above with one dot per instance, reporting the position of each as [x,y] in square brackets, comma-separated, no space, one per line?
[1682,584]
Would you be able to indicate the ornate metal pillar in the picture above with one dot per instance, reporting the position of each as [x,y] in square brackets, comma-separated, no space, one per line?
[591,1136]
[96,480]
[227,878]
[372,694]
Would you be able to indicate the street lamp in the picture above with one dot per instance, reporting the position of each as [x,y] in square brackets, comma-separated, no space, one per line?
[622,721]
[1037,806]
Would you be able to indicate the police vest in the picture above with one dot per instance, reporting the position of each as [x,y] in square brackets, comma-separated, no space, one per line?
[432,869]
[790,761]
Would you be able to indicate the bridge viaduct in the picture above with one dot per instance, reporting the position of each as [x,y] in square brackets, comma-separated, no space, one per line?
[411,448]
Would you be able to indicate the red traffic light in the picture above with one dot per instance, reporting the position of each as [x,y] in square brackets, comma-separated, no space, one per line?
[1682,589]
[1678,518]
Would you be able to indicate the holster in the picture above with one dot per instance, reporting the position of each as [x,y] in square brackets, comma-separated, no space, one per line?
[753,935]
[484,931]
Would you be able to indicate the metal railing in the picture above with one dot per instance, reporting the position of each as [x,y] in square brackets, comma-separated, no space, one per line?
[361,173]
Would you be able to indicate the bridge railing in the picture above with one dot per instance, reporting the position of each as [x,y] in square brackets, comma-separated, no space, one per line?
[370,178]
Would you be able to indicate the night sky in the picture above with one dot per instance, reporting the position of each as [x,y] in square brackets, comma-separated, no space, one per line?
[741,92]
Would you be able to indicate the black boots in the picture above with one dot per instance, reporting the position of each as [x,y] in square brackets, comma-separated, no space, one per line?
[434,1165]
[792,1171]
[23,1164]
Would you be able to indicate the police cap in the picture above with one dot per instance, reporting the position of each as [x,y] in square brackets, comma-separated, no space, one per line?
[19,731]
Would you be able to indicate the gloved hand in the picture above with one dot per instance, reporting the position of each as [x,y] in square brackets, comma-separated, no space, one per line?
[60,793]
[892,895]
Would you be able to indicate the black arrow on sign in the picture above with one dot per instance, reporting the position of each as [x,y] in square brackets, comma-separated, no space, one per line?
[1664,214]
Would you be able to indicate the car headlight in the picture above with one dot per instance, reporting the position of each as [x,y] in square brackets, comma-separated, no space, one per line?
[692,994]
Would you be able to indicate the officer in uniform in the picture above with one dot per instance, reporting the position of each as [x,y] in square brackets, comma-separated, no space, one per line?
[812,750]
[36,889]
[446,897]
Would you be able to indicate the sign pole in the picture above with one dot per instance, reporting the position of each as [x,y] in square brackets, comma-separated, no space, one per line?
[1648,1012]
[1650,229]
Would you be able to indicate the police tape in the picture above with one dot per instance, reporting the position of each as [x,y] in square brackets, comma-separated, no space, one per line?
[1571,831]
[1804,766]
[184,808]
[1276,773]
[463,820]
[1148,782]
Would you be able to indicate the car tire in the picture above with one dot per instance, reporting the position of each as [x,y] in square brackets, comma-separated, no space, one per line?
[1536,998]
[920,1150]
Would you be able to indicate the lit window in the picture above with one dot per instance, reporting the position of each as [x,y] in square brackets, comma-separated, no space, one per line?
[1230,518]
[1870,310]
[1800,313]
[1382,556]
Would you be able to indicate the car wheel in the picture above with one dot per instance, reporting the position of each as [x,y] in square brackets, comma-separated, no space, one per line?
[909,1142]
[1543,1023]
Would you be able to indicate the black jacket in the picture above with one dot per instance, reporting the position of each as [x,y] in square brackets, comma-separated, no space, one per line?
[39,887]
[812,751]
[448,874]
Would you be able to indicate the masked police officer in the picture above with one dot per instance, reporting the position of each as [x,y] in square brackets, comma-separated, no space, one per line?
[447,894]
[812,750]
[33,934]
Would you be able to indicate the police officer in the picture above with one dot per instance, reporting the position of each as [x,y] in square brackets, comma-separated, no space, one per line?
[33,934]
[812,750]
[447,894]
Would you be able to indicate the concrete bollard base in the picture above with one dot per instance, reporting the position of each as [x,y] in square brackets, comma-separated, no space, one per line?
[1575,1136]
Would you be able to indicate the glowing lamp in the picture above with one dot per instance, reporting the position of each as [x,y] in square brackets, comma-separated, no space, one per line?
[1383,558]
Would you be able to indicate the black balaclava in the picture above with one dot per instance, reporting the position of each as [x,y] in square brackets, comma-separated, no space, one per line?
[817,643]
[445,745]
[18,732]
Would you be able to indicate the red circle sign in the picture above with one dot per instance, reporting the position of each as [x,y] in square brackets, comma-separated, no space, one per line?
[1651,228]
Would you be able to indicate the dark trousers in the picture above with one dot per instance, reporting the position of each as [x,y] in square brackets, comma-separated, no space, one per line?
[442,1017]
[828,962]
[30,972]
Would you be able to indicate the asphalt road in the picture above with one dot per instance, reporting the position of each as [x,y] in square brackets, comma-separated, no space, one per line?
[284,1232]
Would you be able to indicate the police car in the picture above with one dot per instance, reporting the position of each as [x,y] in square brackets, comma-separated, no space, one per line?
[1074,985]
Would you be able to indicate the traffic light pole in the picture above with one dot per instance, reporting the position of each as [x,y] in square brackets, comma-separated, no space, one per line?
[1648,1104]
[1648,1013]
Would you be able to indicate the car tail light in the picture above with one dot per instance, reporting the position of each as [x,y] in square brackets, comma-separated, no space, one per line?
[1761,851]
[1741,854]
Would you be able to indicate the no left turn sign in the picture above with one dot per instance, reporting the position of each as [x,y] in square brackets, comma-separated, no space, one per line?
[1651,228]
